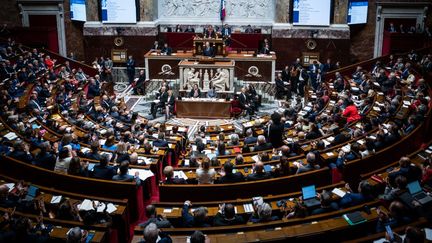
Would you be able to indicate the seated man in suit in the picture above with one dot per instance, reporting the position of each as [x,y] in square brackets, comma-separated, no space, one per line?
[195,92]
[229,176]
[208,50]
[124,176]
[160,141]
[265,50]
[198,219]
[166,50]
[282,88]
[168,171]
[262,144]
[159,220]
[103,170]
[245,102]
[258,173]
[226,216]
[250,139]
[156,46]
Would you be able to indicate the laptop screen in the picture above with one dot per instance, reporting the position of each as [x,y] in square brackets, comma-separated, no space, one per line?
[308,192]
[414,187]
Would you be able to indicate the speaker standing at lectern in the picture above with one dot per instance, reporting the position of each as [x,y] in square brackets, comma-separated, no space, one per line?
[208,50]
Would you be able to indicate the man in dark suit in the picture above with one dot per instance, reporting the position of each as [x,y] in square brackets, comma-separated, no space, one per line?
[166,50]
[229,176]
[21,152]
[34,103]
[262,144]
[130,68]
[160,141]
[208,50]
[259,173]
[139,87]
[227,216]
[245,102]
[226,31]
[156,46]
[168,171]
[189,29]
[250,139]
[282,88]
[265,50]
[45,158]
[103,170]
[162,100]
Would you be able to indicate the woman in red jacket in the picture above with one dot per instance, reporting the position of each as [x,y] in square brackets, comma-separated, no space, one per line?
[351,112]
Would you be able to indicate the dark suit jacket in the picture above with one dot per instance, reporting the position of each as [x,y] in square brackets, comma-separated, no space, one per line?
[258,176]
[263,147]
[171,100]
[208,52]
[275,135]
[167,50]
[191,93]
[21,156]
[243,99]
[220,220]
[104,172]
[231,178]
[160,143]
[163,98]
[250,140]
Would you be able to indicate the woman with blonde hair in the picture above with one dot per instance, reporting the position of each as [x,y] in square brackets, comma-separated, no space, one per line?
[205,174]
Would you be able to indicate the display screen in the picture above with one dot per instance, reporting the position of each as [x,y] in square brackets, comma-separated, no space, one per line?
[357,12]
[311,12]
[78,10]
[118,11]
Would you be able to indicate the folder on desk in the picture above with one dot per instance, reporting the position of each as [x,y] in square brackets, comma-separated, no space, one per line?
[354,218]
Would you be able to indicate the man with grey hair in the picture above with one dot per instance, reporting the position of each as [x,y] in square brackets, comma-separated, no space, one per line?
[250,139]
[262,144]
[152,235]
[234,140]
[311,164]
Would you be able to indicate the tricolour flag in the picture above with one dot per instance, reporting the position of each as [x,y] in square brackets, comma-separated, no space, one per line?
[222,10]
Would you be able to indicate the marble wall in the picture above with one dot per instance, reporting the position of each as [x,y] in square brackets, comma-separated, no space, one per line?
[363,36]
[208,11]
[340,11]
[282,11]
[92,10]
[147,10]
[74,34]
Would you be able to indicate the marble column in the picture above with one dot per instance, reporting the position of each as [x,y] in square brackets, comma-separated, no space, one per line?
[282,11]
[147,11]
[340,11]
[92,10]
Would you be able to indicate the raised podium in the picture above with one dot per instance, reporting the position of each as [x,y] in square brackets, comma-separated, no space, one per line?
[217,43]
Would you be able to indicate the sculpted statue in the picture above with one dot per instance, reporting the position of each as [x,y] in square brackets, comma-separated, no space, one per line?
[221,79]
[192,78]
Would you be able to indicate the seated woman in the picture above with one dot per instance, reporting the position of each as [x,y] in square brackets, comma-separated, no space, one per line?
[110,144]
[221,149]
[195,92]
[205,174]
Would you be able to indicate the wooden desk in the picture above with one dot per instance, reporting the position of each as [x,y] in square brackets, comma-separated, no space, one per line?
[203,109]
[248,67]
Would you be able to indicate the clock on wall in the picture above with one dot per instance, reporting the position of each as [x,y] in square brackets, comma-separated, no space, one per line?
[118,41]
[311,44]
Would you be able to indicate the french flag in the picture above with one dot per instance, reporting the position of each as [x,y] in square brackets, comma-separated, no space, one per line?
[222,10]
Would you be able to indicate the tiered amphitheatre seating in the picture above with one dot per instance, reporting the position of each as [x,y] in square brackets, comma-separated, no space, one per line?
[311,227]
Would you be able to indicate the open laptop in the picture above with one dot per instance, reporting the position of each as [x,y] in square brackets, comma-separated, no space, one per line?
[417,193]
[309,196]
